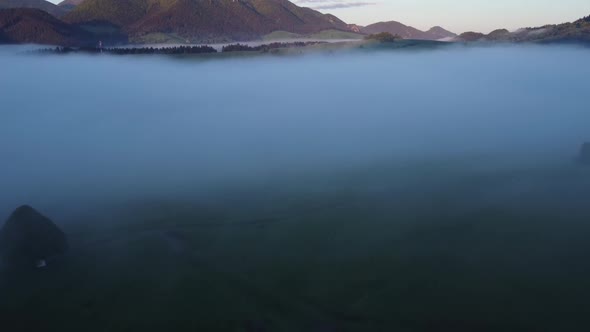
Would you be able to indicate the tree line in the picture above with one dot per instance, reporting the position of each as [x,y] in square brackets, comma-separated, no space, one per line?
[266,47]
[132,50]
[384,37]
[176,49]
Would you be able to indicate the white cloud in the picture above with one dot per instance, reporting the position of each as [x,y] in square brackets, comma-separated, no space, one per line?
[333,4]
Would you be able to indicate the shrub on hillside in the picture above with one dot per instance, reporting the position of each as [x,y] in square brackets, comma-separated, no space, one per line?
[384,37]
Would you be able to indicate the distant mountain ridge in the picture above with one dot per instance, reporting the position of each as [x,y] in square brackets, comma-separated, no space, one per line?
[407,32]
[205,20]
[47,6]
[85,22]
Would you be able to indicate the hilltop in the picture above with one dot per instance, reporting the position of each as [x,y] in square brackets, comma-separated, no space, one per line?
[437,33]
[407,32]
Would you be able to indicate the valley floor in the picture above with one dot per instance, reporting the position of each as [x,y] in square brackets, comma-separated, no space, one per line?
[432,246]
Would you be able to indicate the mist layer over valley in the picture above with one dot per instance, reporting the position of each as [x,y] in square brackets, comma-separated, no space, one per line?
[414,190]
[129,128]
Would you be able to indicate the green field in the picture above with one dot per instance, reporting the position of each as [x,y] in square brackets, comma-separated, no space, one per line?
[335,34]
[159,38]
[282,35]
[446,245]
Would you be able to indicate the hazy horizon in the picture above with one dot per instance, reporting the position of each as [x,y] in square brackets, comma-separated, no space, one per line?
[455,15]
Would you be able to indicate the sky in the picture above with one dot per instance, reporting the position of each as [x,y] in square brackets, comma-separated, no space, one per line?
[455,15]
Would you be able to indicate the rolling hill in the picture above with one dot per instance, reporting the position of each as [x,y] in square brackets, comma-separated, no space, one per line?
[205,20]
[470,36]
[437,33]
[47,6]
[28,25]
[578,31]
[407,32]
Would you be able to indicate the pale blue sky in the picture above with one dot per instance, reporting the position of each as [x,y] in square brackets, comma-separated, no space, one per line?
[456,15]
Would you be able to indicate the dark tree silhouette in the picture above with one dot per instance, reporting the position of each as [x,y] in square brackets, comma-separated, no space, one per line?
[176,50]
[133,50]
[266,47]
[384,37]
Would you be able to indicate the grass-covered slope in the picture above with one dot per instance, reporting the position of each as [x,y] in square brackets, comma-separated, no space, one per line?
[70,3]
[578,31]
[36,4]
[24,25]
[336,34]
[205,20]
[322,35]
[119,12]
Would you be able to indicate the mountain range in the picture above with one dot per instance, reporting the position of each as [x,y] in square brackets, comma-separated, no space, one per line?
[204,20]
[198,21]
[85,22]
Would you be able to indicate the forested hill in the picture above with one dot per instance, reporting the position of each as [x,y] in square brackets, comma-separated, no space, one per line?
[578,31]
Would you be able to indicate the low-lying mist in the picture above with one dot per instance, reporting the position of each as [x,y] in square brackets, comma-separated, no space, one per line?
[79,129]
[354,191]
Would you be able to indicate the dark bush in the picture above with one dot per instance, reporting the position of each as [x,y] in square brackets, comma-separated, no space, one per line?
[384,37]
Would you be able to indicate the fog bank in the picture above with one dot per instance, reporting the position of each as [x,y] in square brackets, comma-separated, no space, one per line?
[74,129]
